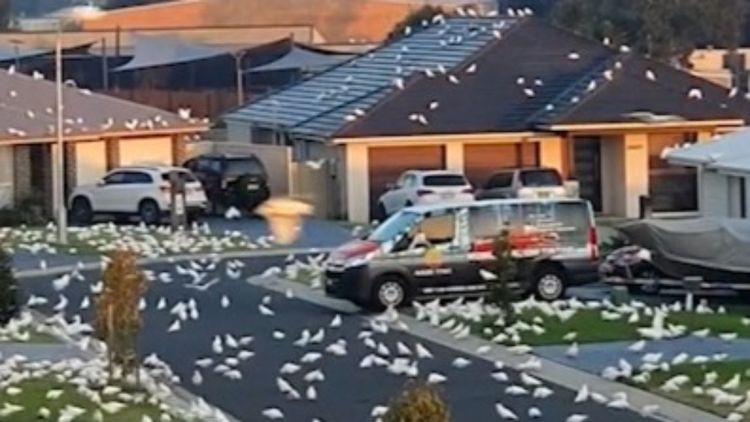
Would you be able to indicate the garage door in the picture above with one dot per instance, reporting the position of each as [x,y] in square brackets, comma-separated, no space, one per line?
[481,161]
[153,151]
[387,163]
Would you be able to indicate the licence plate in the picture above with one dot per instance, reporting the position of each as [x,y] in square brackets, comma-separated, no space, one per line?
[447,196]
[252,186]
[543,195]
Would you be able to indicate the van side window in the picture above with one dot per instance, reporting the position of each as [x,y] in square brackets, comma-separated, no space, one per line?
[439,229]
[485,222]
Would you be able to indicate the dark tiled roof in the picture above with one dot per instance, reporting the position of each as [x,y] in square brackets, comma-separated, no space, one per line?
[27,113]
[536,75]
[320,105]
[668,93]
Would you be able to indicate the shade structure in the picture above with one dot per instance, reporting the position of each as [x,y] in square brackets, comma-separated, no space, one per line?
[154,51]
[11,52]
[304,58]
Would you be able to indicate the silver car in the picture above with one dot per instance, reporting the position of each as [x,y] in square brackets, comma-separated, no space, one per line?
[528,183]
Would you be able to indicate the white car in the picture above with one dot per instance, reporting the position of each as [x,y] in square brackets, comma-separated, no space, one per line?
[141,191]
[416,187]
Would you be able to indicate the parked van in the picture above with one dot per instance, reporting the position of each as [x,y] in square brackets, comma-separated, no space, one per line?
[446,250]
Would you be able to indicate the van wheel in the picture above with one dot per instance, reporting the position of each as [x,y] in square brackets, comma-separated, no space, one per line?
[149,212]
[549,283]
[389,291]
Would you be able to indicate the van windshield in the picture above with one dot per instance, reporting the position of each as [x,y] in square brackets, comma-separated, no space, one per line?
[400,222]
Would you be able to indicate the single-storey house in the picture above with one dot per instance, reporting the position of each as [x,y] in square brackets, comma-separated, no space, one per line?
[723,167]
[99,133]
[481,94]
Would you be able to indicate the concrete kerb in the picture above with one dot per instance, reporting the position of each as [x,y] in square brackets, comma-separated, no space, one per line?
[550,371]
[179,399]
[173,259]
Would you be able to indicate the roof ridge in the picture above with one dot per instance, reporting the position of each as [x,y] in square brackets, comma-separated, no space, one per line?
[419,75]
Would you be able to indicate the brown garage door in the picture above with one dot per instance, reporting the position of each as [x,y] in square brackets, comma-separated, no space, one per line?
[387,164]
[481,161]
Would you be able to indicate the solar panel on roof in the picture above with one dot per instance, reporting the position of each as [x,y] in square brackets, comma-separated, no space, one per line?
[319,106]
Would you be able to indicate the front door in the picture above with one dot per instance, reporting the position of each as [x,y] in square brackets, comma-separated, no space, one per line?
[588,169]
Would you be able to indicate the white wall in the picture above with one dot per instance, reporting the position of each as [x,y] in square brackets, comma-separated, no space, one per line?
[357,183]
[91,161]
[151,151]
[636,172]
[6,176]
[614,190]
[238,132]
[713,191]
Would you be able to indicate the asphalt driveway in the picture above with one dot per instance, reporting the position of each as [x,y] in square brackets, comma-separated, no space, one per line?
[348,392]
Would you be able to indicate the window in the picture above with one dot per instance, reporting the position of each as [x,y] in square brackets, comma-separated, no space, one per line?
[186,177]
[500,180]
[439,229]
[137,178]
[444,180]
[671,188]
[399,223]
[540,178]
[115,178]
[241,166]
[568,220]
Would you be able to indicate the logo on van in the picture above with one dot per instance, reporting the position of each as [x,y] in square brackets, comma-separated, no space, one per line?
[433,258]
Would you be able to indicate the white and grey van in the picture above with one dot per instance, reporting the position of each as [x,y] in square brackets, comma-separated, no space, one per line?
[446,250]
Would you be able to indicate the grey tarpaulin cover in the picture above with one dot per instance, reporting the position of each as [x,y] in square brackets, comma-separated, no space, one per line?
[713,243]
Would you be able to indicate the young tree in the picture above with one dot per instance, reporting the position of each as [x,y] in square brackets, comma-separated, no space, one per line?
[8,290]
[418,403]
[506,271]
[118,320]
[414,21]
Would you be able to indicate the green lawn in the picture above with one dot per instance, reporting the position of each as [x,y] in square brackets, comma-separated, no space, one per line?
[725,370]
[35,337]
[590,327]
[304,276]
[33,397]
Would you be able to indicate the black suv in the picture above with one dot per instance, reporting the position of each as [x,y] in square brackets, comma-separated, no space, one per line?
[237,181]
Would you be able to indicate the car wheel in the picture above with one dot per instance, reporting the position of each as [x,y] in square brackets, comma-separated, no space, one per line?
[81,211]
[149,212]
[549,283]
[389,292]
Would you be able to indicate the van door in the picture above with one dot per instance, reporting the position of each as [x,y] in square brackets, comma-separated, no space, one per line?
[443,267]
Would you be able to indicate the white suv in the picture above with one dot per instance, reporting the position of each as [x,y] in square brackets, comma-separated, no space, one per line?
[424,187]
[142,191]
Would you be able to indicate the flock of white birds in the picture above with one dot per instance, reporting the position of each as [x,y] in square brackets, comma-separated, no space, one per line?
[298,380]
[459,316]
[149,242]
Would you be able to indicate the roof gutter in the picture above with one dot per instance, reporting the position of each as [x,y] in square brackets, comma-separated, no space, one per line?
[105,135]
[588,127]
[431,139]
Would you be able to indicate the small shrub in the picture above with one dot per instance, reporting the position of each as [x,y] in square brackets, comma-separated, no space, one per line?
[29,211]
[506,271]
[418,403]
[8,290]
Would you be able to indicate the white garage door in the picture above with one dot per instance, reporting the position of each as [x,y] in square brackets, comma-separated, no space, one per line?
[6,176]
[91,162]
[152,151]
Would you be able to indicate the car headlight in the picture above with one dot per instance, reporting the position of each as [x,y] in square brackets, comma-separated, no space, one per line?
[358,261]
